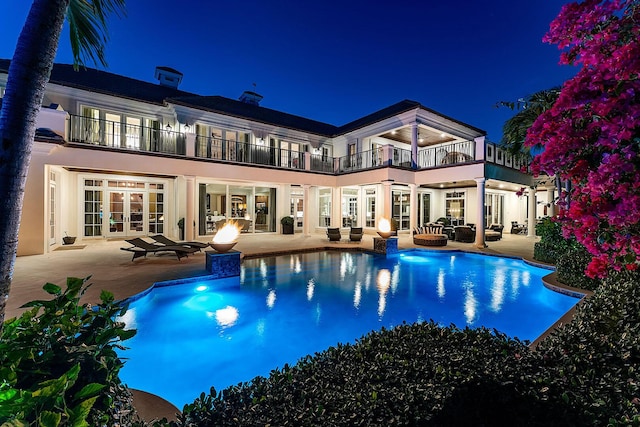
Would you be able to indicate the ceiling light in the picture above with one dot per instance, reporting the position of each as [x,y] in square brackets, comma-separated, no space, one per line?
[442,135]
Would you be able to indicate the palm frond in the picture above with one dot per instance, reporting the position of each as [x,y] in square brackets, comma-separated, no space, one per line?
[514,131]
[88,28]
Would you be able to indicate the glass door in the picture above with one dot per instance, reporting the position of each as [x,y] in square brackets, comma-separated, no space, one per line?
[126,213]
[297,209]
[52,208]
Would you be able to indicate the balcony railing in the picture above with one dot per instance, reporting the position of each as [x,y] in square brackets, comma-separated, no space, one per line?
[153,139]
[359,161]
[322,163]
[125,136]
[244,152]
[450,154]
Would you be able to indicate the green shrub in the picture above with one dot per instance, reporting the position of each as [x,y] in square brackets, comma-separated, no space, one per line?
[552,244]
[570,268]
[592,362]
[410,375]
[58,363]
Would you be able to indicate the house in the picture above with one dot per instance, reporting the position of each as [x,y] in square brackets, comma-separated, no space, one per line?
[116,157]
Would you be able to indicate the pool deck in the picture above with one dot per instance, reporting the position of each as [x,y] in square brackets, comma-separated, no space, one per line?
[112,269]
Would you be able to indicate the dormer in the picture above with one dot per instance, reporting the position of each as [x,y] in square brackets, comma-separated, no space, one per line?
[168,77]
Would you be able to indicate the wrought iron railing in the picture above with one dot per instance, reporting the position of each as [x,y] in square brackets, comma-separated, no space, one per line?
[244,152]
[359,161]
[449,154]
[322,163]
[125,136]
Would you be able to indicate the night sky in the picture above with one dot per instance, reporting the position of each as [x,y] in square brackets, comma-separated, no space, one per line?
[336,61]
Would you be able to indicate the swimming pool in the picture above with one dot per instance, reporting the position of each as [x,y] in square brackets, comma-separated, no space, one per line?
[203,333]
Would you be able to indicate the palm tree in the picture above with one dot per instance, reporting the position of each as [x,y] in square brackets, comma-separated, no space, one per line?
[514,131]
[28,75]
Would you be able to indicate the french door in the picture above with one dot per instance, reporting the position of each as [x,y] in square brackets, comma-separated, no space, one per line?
[126,213]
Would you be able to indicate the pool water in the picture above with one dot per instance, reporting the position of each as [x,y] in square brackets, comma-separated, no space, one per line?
[203,333]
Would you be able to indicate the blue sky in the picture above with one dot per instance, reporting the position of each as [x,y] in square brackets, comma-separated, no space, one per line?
[336,61]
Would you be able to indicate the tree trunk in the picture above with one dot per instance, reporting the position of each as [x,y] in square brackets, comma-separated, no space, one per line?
[28,76]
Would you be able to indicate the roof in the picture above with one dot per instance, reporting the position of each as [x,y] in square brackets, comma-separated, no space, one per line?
[107,83]
[113,84]
[231,107]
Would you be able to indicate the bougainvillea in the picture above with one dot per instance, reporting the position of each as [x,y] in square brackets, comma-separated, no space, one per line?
[591,135]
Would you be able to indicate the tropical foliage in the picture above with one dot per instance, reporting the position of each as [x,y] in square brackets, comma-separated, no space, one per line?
[58,362]
[591,135]
[514,131]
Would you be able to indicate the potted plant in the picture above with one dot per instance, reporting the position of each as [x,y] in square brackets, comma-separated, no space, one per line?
[287,224]
[68,240]
[181,227]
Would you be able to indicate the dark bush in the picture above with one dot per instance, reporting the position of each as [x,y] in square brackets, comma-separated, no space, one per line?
[552,244]
[592,362]
[570,268]
[419,374]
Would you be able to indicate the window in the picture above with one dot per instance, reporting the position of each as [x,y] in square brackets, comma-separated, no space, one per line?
[324,207]
[493,209]
[370,206]
[454,207]
[350,207]
[401,208]
[424,209]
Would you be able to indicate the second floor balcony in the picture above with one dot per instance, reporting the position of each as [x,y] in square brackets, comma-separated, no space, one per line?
[126,136]
[123,136]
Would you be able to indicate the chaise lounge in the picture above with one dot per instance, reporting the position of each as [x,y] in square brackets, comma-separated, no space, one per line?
[334,234]
[168,242]
[141,248]
[355,235]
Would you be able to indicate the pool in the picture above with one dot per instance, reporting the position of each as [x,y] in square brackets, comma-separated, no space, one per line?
[202,333]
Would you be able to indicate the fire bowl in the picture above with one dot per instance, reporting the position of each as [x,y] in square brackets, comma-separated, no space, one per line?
[222,247]
[384,234]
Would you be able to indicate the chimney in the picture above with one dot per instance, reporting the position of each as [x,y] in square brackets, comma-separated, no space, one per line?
[250,97]
[168,77]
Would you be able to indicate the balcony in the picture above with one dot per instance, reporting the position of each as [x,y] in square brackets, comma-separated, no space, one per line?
[125,137]
[122,136]
[244,152]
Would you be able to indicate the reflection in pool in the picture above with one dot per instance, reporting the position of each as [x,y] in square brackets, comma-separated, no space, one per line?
[200,333]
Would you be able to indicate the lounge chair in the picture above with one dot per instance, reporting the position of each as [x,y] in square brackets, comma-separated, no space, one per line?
[142,248]
[355,235]
[334,234]
[167,241]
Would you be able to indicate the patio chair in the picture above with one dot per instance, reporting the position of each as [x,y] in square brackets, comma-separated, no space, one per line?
[516,228]
[464,234]
[168,242]
[142,248]
[334,234]
[355,235]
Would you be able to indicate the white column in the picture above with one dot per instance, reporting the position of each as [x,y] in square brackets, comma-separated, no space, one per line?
[531,226]
[551,200]
[189,221]
[413,207]
[386,201]
[414,146]
[306,227]
[336,217]
[480,213]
